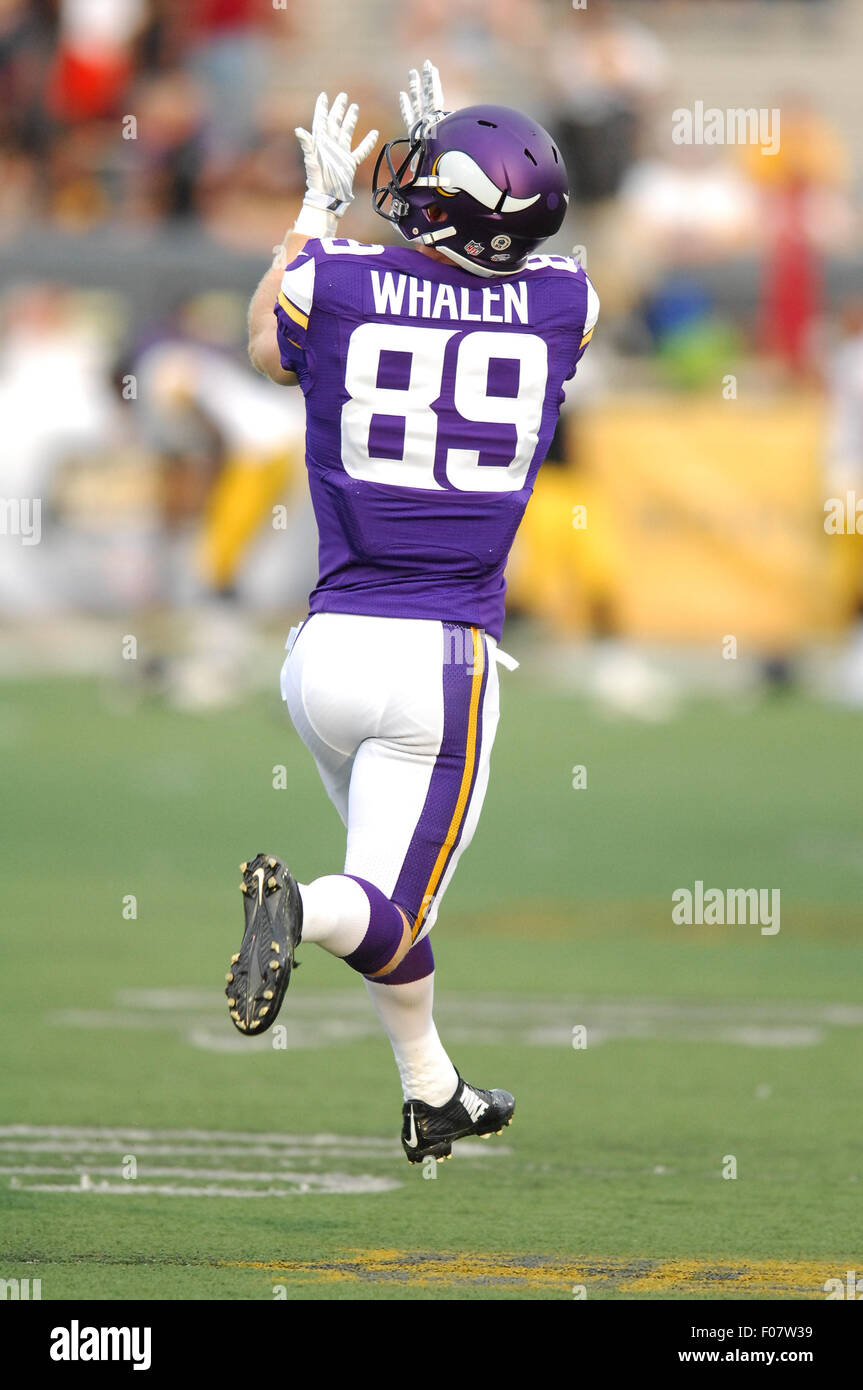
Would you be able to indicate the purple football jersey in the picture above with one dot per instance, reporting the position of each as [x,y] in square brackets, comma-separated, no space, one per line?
[431,399]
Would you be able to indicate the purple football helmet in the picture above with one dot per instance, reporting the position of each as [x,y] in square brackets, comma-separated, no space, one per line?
[484,185]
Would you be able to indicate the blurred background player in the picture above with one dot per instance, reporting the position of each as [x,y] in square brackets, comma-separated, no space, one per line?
[231,449]
[844,485]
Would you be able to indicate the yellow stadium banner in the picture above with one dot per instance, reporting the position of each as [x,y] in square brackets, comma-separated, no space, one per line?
[686,520]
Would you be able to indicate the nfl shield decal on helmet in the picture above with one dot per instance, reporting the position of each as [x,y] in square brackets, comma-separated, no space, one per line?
[474,248]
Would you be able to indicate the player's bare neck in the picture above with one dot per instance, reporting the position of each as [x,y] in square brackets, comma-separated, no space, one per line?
[434,254]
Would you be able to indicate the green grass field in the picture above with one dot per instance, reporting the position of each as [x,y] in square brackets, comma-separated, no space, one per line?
[702,1042]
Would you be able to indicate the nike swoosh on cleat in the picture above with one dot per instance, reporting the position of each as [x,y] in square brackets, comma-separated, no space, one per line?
[259,875]
[412,1141]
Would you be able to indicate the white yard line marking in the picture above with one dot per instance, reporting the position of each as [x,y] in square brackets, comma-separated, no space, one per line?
[345,1187]
[112,1171]
[200,1162]
[319,1020]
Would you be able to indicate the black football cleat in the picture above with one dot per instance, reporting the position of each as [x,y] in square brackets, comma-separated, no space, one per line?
[431,1130]
[261,969]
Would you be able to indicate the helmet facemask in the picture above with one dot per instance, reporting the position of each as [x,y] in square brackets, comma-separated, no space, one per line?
[401,208]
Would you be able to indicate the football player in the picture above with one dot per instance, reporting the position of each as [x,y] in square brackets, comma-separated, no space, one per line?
[433,374]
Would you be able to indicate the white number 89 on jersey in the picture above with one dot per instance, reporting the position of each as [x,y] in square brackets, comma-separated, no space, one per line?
[440,408]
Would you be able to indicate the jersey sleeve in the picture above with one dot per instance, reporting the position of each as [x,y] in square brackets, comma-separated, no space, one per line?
[294,307]
[591,314]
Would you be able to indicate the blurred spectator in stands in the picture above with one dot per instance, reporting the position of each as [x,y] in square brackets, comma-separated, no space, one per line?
[688,204]
[604,68]
[164,164]
[247,202]
[483,50]
[805,212]
[55,397]
[680,208]
[227,54]
[27,38]
[844,482]
[94,58]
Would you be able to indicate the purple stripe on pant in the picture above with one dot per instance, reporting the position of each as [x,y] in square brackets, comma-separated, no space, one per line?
[443,792]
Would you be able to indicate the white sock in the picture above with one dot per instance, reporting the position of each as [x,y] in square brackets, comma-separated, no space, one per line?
[406,1012]
[336,913]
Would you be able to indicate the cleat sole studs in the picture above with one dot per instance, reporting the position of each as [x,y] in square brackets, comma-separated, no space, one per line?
[272,883]
[271,863]
[235,958]
[274,965]
[229,978]
[231,1003]
[268,993]
[244,866]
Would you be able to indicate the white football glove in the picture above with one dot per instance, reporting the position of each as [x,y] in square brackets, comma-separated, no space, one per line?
[424,101]
[330,164]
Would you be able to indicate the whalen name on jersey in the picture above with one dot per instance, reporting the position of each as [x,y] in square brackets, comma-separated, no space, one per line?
[408,297]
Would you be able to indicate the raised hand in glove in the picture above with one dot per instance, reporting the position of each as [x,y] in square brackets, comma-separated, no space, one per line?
[424,99]
[330,165]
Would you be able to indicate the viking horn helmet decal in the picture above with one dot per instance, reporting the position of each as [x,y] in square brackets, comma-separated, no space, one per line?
[455,171]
